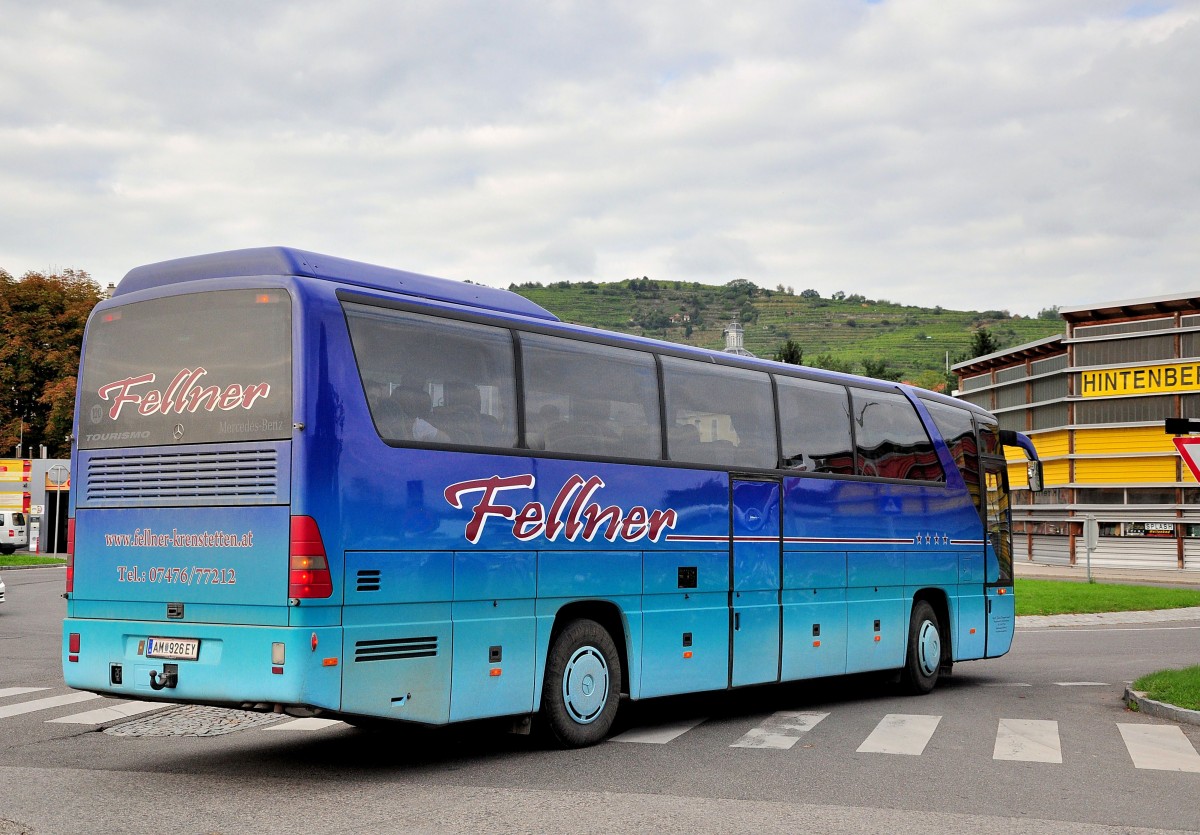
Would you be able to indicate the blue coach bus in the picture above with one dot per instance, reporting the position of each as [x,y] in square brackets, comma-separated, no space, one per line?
[316,486]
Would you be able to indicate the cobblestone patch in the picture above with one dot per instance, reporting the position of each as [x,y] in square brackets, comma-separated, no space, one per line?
[195,720]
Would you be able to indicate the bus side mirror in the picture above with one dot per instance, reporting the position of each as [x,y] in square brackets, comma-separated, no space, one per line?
[1036,476]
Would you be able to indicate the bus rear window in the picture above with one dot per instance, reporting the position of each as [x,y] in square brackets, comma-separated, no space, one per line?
[197,368]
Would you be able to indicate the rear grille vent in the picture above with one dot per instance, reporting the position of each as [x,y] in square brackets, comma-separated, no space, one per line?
[197,475]
[368,579]
[392,649]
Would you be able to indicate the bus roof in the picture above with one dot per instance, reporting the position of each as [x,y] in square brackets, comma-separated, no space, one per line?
[279,260]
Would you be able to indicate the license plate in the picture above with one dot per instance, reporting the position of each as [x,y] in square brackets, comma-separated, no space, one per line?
[180,649]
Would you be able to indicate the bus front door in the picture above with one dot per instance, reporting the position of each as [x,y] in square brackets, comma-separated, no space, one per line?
[998,560]
[756,557]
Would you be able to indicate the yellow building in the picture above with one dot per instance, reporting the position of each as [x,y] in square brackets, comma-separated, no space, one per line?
[1094,402]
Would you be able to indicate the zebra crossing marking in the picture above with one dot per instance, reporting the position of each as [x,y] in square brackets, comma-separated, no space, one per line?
[658,734]
[1028,740]
[44,704]
[901,733]
[112,713]
[311,723]
[1159,747]
[1151,747]
[780,730]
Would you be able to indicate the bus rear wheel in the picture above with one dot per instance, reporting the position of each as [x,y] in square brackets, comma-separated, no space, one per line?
[582,687]
[924,658]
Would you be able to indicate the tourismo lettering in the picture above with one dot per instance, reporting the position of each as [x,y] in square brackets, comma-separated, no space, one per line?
[184,394]
[572,514]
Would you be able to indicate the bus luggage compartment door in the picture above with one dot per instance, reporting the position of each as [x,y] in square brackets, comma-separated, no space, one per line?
[756,558]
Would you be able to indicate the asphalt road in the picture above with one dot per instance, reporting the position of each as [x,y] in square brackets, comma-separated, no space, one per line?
[819,756]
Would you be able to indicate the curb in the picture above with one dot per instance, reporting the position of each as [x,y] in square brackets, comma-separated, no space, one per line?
[25,567]
[1136,700]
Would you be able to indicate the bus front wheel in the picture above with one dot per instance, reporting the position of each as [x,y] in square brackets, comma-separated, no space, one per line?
[924,657]
[582,686]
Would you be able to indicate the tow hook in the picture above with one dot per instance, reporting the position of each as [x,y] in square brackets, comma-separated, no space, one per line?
[170,677]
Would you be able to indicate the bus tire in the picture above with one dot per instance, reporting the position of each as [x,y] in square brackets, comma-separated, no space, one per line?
[924,658]
[582,687]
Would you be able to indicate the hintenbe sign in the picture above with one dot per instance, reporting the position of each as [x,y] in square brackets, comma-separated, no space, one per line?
[1148,379]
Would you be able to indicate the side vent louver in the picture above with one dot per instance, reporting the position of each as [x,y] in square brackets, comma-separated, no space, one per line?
[391,649]
[368,579]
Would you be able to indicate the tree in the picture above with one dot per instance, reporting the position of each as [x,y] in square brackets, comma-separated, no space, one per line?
[809,294]
[790,352]
[982,344]
[1049,313]
[42,319]
[879,369]
[830,363]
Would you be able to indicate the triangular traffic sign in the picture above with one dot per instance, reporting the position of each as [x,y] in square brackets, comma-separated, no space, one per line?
[1189,450]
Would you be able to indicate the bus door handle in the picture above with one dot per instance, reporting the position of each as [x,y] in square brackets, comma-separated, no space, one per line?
[737,621]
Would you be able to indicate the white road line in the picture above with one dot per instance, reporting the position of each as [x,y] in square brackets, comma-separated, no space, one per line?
[900,733]
[17,691]
[112,713]
[658,734]
[1014,684]
[1159,747]
[1028,740]
[780,730]
[309,724]
[1082,683]
[44,704]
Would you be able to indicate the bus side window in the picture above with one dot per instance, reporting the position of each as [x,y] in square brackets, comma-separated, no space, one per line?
[719,416]
[958,431]
[890,439]
[435,380]
[814,422]
[590,399]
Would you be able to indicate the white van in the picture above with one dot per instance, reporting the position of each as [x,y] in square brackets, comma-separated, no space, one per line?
[14,531]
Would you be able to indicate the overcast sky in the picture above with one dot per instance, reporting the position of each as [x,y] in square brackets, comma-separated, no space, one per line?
[1015,154]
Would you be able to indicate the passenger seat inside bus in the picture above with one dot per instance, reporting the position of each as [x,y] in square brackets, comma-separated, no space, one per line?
[460,414]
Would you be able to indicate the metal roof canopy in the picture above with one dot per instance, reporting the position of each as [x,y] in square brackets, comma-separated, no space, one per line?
[1133,308]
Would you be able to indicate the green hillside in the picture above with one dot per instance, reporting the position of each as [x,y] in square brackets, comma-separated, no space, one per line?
[848,332]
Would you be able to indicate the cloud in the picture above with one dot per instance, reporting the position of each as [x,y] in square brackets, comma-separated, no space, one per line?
[1015,155]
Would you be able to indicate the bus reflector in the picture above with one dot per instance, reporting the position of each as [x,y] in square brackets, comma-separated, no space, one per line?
[494,672]
[70,554]
[308,575]
[329,662]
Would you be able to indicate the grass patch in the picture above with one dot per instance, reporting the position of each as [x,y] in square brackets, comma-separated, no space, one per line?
[1174,687]
[1053,597]
[29,559]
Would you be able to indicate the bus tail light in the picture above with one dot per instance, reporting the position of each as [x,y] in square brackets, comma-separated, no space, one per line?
[73,647]
[70,555]
[308,575]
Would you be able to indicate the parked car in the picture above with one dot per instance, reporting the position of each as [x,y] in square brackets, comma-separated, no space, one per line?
[1,589]
[14,531]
